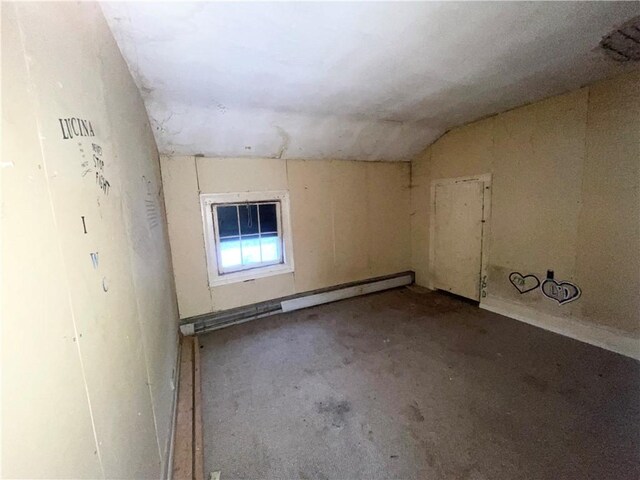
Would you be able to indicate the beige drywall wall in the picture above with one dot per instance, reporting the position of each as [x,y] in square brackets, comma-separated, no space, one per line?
[349,220]
[88,344]
[565,197]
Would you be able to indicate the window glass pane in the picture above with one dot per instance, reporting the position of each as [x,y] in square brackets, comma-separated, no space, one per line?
[268,218]
[248,219]
[228,221]
[250,249]
[270,248]
[230,252]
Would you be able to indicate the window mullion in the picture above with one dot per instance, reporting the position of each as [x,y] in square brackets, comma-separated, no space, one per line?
[239,234]
[259,231]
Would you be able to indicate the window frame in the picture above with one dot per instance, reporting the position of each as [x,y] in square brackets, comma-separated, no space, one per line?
[218,276]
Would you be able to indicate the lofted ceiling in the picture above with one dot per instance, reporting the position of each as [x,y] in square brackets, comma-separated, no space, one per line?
[367,81]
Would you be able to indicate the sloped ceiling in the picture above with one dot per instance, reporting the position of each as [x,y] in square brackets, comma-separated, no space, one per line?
[368,81]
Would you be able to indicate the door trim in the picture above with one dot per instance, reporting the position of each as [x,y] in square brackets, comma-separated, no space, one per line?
[484,178]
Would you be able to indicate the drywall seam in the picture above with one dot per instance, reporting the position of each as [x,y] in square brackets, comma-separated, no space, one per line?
[370,238]
[286,168]
[3,164]
[168,466]
[608,339]
[333,217]
[34,98]
[286,171]
[585,156]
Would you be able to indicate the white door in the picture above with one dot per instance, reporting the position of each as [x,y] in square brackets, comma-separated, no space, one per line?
[458,238]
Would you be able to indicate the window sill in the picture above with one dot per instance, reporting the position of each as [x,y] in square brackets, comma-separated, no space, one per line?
[247,275]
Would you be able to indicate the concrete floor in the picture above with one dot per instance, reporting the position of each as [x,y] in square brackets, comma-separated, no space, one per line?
[414,385]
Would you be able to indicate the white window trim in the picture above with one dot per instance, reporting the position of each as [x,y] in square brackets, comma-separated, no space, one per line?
[209,199]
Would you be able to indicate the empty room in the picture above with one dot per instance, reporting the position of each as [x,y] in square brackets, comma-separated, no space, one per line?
[320,240]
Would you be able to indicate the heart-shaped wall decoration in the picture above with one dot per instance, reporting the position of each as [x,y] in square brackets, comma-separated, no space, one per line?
[561,292]
[524,283]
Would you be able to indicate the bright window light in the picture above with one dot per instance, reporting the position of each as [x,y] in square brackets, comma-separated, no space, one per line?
[248,235]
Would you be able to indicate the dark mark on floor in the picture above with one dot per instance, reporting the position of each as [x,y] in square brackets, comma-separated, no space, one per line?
[414,413]
[336,410]
[535,382]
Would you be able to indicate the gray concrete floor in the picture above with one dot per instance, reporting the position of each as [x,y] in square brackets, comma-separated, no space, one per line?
[415,385]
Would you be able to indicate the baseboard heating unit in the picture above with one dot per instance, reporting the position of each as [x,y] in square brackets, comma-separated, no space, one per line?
[214,321]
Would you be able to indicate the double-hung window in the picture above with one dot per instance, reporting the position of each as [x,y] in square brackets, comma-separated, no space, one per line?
[247,235]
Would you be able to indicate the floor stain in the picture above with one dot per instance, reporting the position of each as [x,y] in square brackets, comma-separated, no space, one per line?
[414,413]
[537,383]
[313,474]
[335,411]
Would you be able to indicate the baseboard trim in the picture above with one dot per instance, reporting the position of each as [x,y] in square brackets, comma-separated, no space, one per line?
[214,321]
[602,337]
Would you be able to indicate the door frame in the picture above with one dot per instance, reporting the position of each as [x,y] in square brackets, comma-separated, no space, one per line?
[484,178]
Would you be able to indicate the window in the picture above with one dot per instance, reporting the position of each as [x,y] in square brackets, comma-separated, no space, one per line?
[247,235]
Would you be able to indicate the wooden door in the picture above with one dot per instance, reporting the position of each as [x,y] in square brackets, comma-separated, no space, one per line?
[458,238]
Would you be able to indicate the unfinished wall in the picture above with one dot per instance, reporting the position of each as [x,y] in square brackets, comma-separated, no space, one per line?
[88,304]
[565,197]
[349,222]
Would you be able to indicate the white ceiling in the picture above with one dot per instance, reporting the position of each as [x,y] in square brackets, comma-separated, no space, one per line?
[369,81]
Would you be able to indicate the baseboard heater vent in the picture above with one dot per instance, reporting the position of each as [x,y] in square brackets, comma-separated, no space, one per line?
[217,320]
